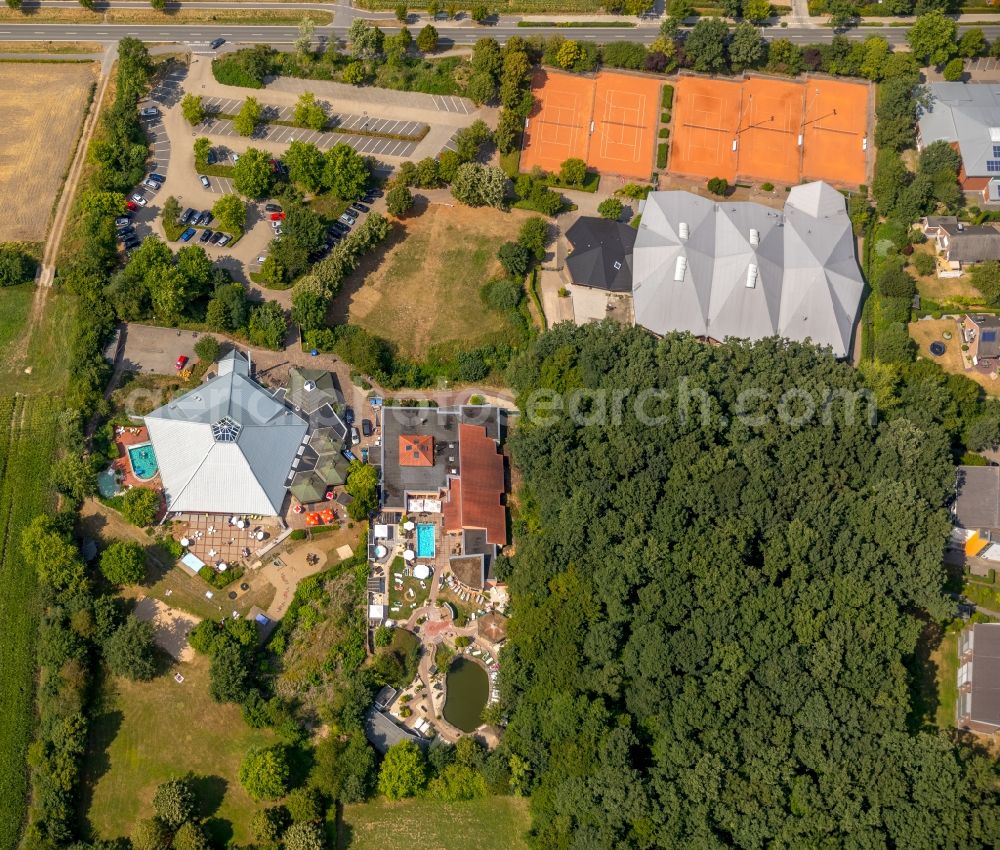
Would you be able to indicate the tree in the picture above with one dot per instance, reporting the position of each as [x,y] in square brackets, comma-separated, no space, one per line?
[573,172]
[568,54]
[718,186]
[252,174]
[428,175]
[747,48]
[246,119]
[403,772]
[140,506]
[305,805]
[383,636]
[479,13]
[73,476]
[202,147]
[477,186]
[150,834]
[756,11]
[267,825]
[55,560]
[624,54]
[190,836]
[303,43]
[16,266]
[610,208]
[268,325]
[366,39]
[305,836]
[174,802]
[309,113]
[264,773]
[130,651]
[784,57]
[399,200]
[514,258]
[362,480]
[842,13]
[397,47]
[192,108]
[933,38]
[229,673]
[354,72]
[310,300]
[972,43]
[345,173]
[680,10]
[427,39]
[228,309]
[207,348]
[986,278]
[706,45]
[123,562]
[894,282]
[306,165]
[534,235]
[401,13]
[953,70]
[231,213]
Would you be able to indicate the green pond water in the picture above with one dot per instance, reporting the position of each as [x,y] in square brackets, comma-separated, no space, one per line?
[468,688]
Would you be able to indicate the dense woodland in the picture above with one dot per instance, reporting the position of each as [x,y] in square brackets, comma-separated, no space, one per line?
[713,622]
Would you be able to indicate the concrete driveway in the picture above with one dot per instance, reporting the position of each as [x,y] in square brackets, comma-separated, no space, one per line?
[155,350]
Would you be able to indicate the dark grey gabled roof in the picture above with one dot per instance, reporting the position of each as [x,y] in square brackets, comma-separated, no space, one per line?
[601,253]
[977,503]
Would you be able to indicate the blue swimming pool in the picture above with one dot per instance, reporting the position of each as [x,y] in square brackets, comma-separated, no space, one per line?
[425,540]
[143,461]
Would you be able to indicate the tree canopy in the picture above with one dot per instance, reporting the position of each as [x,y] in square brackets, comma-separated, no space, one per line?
[716,602]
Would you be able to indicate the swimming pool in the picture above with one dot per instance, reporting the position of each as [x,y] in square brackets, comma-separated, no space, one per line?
[143,461]
[107,484]
[425,540]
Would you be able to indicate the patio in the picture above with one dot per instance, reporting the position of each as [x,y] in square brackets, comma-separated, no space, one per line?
[133,435]
[215,539]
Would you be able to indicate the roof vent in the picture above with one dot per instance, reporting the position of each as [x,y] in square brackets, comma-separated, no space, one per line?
[683,230]
[754,236]
[751,276]
[617,264]
[680,268]
[995,134]
[309,386]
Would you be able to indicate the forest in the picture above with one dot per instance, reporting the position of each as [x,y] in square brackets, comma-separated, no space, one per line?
[714,615]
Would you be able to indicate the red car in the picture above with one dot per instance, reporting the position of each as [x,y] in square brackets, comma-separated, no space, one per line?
[278,216]
[131,205]
[181,363]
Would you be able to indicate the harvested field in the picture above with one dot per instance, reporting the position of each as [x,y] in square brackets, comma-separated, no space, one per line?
[425,289]
[264,17]
[42,105]
[52,47]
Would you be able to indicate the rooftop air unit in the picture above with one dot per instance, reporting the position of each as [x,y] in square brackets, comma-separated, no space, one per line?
[683,230]
[751,276]
[680,268]
[309,386]
[754,236]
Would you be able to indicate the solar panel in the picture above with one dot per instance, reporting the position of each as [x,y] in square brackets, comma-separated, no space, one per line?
[988,336]
[996,151]
[993,166]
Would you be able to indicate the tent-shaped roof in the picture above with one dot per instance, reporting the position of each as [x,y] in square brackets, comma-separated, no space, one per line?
[226,446]
[308,486]
[493,627]
[309,389]
[326,441]
[332,469]
[739,269]
[416,450]
[601,253]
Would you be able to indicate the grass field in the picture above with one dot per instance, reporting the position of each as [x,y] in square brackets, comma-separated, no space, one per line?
[496,823]
[147,732]
[27,443]
[41,348]
[425,288]
[945,659]
[52,47]
[42,105]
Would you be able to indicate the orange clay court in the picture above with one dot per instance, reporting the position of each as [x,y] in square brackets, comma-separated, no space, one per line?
[608,122]
[751,129]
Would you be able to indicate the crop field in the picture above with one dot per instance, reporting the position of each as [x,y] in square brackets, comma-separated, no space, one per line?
[42,106]
[425,289]
[28,428]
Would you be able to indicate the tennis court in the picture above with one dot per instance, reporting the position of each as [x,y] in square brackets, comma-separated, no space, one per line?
[609,122]
[764,129]
[558,127]
[835,132]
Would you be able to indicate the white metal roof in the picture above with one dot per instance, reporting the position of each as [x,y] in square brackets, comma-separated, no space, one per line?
[748,271]
[226,446]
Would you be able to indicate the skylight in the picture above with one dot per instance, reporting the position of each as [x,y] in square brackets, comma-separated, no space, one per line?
[226,430]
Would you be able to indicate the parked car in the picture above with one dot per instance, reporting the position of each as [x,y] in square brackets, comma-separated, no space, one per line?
[277,216]
[369,198]
[275,224]
[187,234]
[217,238]
[187,215]
[235,157]
[159,178]
[204,181]
[216,43]
[348,218]
[149,112]
[272,208]
[348,454]
[205,218]
[125,232]
[181,362]
[138,199]
[132,243]
[341,229]
[360,207]
[349,415]
[261,259]
[151,184]
[131,206]
[205,236]
[212,158]
[366,427]
[123,221]
[277,232]
[375,192]
[364,455]
[225,239]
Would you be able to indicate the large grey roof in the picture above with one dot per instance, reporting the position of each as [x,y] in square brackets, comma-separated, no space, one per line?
[964,113]
[977,503]
[807,284]
[602,253]
[226,446]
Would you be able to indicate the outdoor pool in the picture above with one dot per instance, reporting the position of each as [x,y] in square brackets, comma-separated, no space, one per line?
[425,540]
[107,485]
[143,461]
[468,688]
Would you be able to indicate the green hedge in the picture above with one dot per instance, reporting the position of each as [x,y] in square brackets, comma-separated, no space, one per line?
[221,580]
[661,155]
[664,133]
[668,97]
[665,118]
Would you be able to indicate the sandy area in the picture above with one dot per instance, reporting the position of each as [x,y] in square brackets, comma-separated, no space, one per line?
[171,626]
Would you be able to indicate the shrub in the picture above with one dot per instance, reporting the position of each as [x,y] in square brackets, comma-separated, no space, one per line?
[207,349]
[123,562]
[661,155]
[924,264]
[668,96]
[304,836]
[767,187]
[16,266]
[264,773]
[174,802]
[298,534]
[305,805]
[139,506]
[267,825]
[610,208]
[953,70]
[718,186]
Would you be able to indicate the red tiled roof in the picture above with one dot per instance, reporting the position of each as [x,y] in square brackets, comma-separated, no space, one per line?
[416,450]
[479,496]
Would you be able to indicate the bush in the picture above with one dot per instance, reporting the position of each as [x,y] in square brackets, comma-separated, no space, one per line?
[264,773]
[139,506]
[718,186]
[953,70]
[123,562]
[267,825]
[305,805]
[661,155]
[298,534]
[767,187]
[923,264]
[668,96]
[610,208]
[207,349]
[16,266]
[174,802]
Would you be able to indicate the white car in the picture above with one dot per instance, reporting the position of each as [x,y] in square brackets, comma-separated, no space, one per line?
[262,258]
[139,199]
[204,181]
[225,239]
[235,157]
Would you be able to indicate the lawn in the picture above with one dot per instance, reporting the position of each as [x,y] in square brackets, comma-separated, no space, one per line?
[144,733]
[408,594]
[496,823]
[40,348]
[945,661]
[28,429]
[424,289]
[980,592]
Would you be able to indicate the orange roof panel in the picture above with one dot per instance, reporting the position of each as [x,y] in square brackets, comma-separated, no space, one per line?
[416,450]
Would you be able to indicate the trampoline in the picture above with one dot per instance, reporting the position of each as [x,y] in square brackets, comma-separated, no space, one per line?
[937,348]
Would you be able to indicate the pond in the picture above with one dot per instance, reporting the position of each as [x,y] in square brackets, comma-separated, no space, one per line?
[468,688]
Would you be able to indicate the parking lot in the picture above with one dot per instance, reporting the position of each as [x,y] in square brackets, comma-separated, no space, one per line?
[324,140]
[451,104]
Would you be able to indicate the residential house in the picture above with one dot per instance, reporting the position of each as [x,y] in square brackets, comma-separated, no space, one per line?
[600,269]
[960,244]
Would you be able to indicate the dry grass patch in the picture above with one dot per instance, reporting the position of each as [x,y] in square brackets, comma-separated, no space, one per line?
[942,289]
[425,288]
[53,47]
[42,106]
[151,16]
